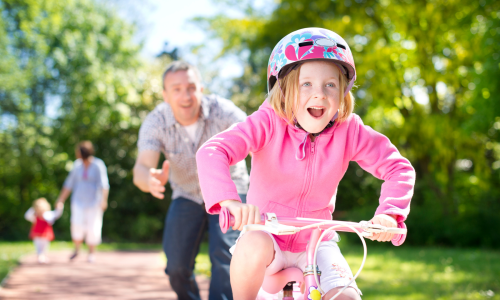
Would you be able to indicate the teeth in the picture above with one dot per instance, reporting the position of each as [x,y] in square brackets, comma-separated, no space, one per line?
[313,107]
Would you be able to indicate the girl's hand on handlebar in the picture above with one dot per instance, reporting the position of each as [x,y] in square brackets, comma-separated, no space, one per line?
[387,221]
[244,214]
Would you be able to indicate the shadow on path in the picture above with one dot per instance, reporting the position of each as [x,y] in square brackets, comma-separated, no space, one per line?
[114,275]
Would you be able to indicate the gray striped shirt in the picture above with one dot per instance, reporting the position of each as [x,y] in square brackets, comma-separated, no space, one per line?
[162,133]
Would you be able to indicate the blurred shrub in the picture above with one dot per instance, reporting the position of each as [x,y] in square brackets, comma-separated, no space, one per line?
[427,77]
[70,71]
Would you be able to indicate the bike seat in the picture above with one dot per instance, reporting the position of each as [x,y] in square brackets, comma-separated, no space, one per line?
[276,282]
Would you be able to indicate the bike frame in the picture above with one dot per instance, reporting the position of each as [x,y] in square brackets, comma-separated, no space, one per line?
[289,225]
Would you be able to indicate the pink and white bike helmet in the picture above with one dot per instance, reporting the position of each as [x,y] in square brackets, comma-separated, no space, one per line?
[310,44]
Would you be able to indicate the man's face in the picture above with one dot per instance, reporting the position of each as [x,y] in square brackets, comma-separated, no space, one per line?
[183,91]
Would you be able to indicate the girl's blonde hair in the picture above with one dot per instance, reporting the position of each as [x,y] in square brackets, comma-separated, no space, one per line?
[290,90]
[41,205]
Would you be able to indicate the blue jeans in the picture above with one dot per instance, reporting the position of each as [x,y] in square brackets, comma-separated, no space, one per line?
[185,225]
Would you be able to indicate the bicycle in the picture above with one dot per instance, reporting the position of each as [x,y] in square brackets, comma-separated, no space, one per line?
[285,279]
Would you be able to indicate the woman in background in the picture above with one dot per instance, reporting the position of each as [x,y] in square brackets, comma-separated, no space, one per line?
[88,183]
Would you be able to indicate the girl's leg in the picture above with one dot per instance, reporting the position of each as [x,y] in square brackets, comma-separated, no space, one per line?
[335,272]
[253,253]
[36,242]
[348,294]
[41,246]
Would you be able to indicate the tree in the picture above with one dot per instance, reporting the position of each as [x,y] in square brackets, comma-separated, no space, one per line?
[427,72]
[70,71]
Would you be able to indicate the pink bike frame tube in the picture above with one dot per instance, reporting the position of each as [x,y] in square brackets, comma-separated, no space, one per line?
[311,247]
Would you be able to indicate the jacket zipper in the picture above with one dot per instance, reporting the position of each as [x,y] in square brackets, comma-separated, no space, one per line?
[310,161]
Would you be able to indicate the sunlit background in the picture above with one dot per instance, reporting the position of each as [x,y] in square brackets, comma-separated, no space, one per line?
[428,78]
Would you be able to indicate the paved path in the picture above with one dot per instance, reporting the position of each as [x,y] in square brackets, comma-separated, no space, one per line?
[114,275]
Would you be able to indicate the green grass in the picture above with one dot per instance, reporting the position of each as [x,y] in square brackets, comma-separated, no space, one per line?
[410,273]
[413,273]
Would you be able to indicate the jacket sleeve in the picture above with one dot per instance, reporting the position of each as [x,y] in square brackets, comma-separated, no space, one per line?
[377,155]
[226,149]
[52,215]
[151,132]
[69,183]
[231,113]
[29,215]
[103,176]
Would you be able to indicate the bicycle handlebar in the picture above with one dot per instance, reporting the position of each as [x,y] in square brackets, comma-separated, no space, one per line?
[226,220]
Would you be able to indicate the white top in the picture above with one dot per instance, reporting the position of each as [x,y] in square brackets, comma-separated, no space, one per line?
[86,184]
[191,131]
[49,216]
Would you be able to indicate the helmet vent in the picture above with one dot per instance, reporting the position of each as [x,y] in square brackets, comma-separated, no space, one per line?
[306,44]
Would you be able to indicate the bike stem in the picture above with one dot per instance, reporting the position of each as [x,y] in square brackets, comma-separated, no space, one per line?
[311,265]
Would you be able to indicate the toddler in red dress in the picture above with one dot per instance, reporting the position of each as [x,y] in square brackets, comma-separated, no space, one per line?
[41,231]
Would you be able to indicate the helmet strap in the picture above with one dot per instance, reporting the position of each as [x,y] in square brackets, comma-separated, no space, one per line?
[330,124]
[349,87]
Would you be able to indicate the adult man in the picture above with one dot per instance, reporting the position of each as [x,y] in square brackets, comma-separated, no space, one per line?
[178,127]
[88,180]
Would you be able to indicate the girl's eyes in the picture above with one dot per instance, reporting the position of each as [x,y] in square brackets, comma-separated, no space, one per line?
[328,84]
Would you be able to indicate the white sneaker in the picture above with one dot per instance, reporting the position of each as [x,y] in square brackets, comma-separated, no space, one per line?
[91,258]
[42,259]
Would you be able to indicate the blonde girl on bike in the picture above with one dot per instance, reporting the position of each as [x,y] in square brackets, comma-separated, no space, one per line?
[302,139]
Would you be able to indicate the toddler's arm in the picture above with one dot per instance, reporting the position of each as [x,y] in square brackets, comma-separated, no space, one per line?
[29,215]
[53,215]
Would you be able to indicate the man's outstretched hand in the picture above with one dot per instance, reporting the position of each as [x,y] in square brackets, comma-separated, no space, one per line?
[157,180]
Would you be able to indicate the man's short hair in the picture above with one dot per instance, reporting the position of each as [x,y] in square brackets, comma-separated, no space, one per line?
[86,149]
[180,65]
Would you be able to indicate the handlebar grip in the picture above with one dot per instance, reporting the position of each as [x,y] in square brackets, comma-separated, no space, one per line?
[226,220]
[398,239]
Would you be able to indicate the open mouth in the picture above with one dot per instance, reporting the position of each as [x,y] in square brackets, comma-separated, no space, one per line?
[316,112]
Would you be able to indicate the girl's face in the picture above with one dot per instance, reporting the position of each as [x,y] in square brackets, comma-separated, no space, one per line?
[41,207]
[319,95]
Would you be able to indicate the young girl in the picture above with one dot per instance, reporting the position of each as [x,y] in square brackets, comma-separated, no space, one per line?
[301,139]
[41,231]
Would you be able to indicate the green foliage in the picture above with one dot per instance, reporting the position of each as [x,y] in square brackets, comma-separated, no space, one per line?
[70,71]
[427,78]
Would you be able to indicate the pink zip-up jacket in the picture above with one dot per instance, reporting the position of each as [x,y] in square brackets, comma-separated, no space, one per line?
[294,179]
